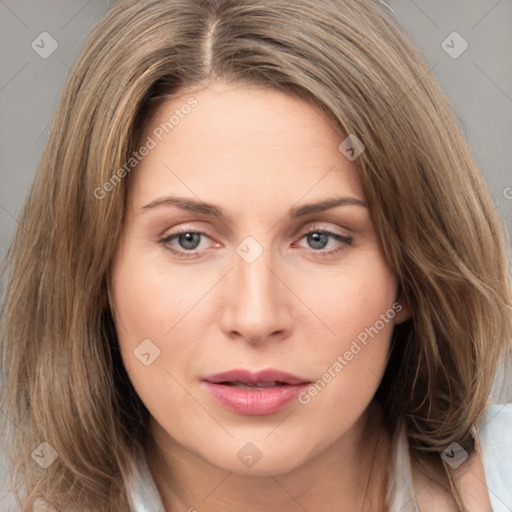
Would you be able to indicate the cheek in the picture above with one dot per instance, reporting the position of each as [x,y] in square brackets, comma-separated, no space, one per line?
[156,323]
[351,299]
[149,299]
[359,310]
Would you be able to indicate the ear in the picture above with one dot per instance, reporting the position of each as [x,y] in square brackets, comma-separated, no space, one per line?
[402,308]
[403,312]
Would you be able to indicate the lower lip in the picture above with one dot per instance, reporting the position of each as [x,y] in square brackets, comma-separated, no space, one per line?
[257,402]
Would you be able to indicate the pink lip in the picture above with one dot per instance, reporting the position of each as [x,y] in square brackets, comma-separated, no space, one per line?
[257,402]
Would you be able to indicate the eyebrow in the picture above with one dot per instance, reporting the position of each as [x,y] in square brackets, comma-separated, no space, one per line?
[192,205]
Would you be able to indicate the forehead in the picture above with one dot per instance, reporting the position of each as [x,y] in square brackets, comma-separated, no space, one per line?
[243,143]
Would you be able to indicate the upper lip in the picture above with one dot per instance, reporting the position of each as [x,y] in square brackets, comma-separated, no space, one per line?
[261,377]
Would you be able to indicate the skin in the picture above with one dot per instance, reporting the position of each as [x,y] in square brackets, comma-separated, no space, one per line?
[255,153]
[469,478]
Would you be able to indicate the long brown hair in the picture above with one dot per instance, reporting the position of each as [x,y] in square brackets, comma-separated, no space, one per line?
[64,382]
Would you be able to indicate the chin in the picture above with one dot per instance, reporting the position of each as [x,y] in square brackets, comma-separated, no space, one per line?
[257,458]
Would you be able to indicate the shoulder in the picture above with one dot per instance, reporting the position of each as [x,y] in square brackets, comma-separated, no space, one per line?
[484,480]
[430,495]
[495,438]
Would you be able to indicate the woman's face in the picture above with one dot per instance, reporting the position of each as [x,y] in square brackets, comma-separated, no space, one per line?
[226,265]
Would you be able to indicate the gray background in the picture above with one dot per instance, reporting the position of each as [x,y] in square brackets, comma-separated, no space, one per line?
[478,83]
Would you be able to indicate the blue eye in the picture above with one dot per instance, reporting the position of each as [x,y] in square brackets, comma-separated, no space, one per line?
[319,238]
[189,240]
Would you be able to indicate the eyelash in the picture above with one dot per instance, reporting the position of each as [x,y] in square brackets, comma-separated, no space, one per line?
[345,242]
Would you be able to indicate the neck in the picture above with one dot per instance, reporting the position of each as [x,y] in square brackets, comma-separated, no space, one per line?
[349,475]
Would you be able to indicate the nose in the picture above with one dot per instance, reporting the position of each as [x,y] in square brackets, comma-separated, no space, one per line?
[257,301]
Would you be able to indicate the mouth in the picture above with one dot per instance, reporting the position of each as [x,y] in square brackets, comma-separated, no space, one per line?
[264,378]
[255,394]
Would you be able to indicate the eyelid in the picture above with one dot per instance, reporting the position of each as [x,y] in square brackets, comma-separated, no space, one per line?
[321,226]
[178,231]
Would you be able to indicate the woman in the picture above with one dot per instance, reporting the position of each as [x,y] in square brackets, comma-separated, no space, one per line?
[258,268]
